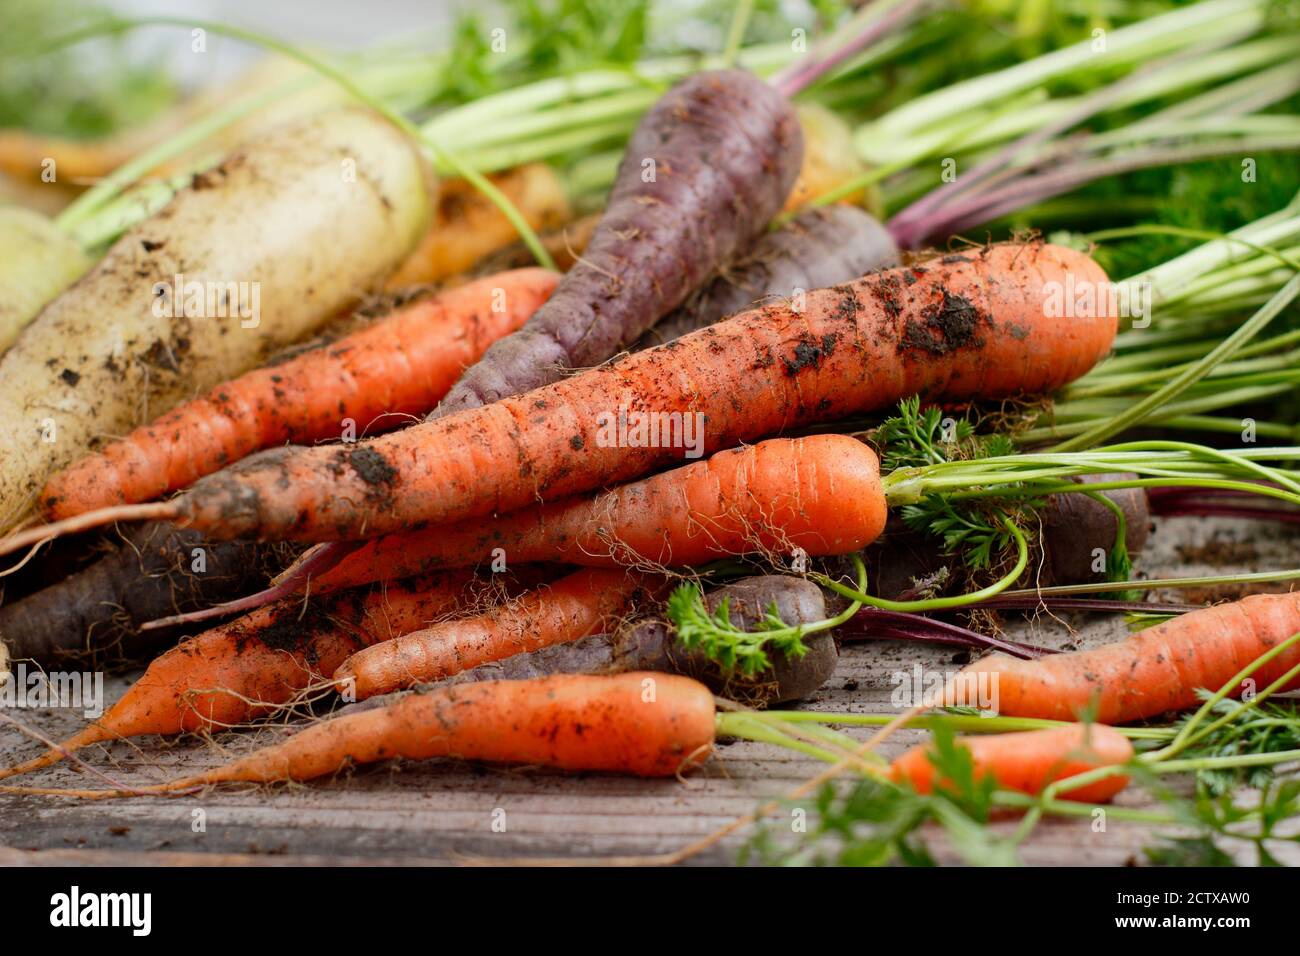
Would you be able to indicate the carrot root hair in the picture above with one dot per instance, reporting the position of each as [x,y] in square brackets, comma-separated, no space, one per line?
[149,511]
[92,734]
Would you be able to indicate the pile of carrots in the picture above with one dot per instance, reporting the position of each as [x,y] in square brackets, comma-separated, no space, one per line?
[512,475]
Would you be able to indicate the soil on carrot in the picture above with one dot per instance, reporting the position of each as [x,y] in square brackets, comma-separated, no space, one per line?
[372,467]
[954,325]
[291,630]
[810,352]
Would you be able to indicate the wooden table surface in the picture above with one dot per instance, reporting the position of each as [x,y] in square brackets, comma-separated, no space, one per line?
[450,812]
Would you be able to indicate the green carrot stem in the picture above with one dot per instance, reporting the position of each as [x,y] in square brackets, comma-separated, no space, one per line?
[1072,808]
[507,155]
[1135,43]
[624,107]
[1090,409]
[1151,584]
[1273,353]
[985,723]
[1127,419]
[859,595]
[1185,736]
[1193,764]
[741,725]
[736,31]
[1207,423]
[347,83]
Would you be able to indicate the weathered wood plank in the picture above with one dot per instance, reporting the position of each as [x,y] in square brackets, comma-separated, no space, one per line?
[440,811]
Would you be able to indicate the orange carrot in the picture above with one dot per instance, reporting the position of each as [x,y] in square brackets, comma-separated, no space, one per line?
[970,326]
[650,725]
[1154,671]
[243,668]
[583,603]
[466,226]
[1027,762]
[820,493]
[379,378]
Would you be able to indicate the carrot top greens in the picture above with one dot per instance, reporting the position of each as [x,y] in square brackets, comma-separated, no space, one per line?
[735,648]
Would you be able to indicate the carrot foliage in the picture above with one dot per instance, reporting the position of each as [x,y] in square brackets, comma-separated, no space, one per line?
[715,636]
[736,649]
[878,823]
[917,437]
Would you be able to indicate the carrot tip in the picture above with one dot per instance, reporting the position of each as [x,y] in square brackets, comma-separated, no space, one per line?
[154,510]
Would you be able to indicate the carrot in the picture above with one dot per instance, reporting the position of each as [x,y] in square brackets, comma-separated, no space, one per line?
[253,255]
[1076,527]
[650,645]
[818,248]
[1027,762]
[649,725]
[673,218]
[1154,671]
[738,501]
[94,615]
[467,226]
[236,671]
[573,607]
[820,493]
[396,368]
[960,327]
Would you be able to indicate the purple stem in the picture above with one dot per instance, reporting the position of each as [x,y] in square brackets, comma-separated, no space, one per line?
[1024,653]
[797,77]
[1033,189]
[910,219]
[1206,502]
[1178,491]
[1198,510]
[321,559]
[912,226]
[900,625]
[907,221]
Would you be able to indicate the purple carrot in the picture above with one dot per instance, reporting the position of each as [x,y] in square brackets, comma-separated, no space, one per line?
[818,248]
[705,171]
[96,615]
[650,645]
[318,560]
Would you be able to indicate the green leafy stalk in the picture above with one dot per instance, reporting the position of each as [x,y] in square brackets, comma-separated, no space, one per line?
[347,83]
[880,822]
[1180,382]
[946,483]
[734,648]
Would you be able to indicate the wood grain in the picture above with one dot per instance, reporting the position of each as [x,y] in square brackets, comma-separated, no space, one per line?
[443,812]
